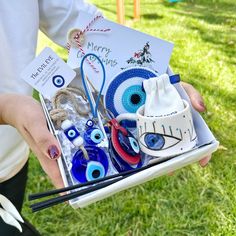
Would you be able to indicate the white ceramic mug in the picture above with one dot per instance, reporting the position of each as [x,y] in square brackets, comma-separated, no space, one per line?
[163,136]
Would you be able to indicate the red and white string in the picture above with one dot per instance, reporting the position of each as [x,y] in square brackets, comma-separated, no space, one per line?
[82,32]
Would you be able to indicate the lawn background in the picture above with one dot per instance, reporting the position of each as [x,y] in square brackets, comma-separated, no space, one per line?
[194,201]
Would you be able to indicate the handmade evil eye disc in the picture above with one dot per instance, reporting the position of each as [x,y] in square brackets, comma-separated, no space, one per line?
[71,133]
[96,167]
[134,144]
[154,141]
[95,170]
[133,97]
[124,93]
[97,136]
[58,81]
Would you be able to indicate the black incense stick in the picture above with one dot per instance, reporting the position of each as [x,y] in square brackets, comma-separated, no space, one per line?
[54,201]
[72,187]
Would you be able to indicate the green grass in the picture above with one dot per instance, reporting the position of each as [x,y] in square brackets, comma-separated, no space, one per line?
[194,201]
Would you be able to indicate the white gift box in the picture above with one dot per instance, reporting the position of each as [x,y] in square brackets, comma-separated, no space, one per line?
[207,144]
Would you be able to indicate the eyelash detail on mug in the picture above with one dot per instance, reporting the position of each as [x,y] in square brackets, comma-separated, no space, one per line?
[191,132]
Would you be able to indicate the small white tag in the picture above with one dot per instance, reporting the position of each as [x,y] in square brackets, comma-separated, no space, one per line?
[48,73]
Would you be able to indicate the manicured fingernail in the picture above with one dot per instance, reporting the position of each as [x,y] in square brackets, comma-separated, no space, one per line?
[202,105]
[53,152]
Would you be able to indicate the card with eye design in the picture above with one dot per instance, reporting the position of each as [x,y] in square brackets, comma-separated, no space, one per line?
[118,47]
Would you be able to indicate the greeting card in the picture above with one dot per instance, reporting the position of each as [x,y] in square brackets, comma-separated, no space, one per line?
[117,46]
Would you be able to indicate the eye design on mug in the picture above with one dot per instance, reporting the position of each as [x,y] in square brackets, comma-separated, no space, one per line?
[156,141]
[96,136]
[58,81]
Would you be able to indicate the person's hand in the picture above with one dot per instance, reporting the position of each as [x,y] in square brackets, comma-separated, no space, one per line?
[26,115]
[197,102]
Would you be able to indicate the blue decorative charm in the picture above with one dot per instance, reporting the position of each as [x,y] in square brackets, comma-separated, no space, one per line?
[93,136]
[58,81]
[86,170]
[124,149]
[89,123]
[72,133]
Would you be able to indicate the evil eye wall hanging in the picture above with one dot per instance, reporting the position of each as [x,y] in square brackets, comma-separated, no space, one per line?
[124,148]
[95,165]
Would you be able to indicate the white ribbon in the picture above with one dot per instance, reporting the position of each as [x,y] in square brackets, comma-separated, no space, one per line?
[9,213]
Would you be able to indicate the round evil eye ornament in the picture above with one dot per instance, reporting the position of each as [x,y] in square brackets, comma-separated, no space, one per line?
[94,168]
[58,81]
[124,93]
[93,136]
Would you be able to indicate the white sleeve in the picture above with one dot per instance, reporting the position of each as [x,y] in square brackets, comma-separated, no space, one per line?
[57,17]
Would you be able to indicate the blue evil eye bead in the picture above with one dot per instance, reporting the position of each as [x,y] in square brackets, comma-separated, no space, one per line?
[72,133]
[86,170]
[95,170]
[90,123]
[134,144]
[133,98]
[93,136]
[58,81]
[129,143]
[97,136]
[154,141]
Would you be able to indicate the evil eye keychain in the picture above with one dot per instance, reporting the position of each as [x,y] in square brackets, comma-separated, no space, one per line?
[96,164]
[124,148]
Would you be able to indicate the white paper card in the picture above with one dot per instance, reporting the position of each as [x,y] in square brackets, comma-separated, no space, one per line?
[48,73]
[119,48]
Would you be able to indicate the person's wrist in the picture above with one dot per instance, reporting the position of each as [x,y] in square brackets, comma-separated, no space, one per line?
[5,102]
